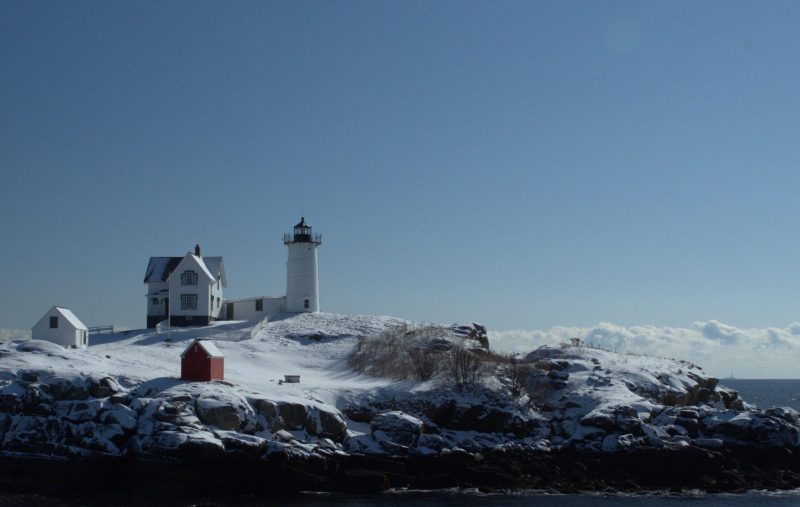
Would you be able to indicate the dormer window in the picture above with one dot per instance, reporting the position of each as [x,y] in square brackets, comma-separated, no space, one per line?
[188,278]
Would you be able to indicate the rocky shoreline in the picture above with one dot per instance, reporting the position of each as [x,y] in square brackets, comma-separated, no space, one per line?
[636,471]
[565,419]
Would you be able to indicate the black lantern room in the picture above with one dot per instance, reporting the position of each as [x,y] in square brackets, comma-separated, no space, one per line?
[302,234]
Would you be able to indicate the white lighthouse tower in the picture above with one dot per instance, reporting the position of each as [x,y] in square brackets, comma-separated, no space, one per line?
[302,282]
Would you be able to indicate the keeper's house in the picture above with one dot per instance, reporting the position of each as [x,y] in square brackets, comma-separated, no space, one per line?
[188,289]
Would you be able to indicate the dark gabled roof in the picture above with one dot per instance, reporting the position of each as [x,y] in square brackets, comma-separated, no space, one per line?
[159,268]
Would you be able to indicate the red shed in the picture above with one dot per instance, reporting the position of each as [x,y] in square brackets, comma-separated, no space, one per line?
[202,360]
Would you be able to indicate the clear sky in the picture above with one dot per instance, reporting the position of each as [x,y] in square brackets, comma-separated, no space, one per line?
[523,164]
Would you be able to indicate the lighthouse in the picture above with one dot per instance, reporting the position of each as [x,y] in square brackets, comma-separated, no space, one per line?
[302,282]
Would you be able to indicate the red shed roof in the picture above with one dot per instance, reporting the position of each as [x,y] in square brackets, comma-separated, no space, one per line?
[208,346]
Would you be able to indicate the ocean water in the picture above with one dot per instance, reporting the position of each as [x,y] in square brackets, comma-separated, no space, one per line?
[767,393]
[540,499]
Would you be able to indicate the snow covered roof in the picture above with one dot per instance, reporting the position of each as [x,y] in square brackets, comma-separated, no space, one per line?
[207,345]
[159,268]
[215,265]
[202,265]
[71,318]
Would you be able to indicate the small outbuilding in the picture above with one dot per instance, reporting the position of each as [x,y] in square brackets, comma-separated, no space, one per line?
[61,326]
[202,360]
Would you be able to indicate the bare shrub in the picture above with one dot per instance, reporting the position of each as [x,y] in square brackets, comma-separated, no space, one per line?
[463,367]
[526,381]
[424,362]
[402,352]
[515,373]
[537,387]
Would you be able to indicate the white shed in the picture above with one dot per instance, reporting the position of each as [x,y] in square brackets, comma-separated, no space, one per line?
[61,326]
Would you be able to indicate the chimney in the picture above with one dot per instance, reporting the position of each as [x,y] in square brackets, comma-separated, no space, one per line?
[197,250]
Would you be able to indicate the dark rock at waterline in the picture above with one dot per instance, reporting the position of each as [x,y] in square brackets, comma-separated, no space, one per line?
[636,471]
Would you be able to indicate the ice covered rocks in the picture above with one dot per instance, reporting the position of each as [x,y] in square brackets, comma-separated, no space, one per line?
[103,386]
[472,331]
[396,427]
[316,420]
[227,412]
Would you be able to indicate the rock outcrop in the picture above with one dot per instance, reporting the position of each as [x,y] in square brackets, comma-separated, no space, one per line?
[81,416]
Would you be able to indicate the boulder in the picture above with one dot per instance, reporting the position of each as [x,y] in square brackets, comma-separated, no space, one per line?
[194,445]
[399,428]
[708,443]
[62,387]
[787,414]
[42,347]
[103,387]
[122,415]
[331,424]
[219,413]
[472,331]
[294,415]
[242,442]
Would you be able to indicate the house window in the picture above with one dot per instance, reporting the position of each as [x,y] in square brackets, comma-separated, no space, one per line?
[154,301]
[188,301]
[305,303]
[259,305]
[188,278]
[53,322]
[217,302]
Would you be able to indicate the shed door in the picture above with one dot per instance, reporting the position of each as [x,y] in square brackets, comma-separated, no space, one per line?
[230,311]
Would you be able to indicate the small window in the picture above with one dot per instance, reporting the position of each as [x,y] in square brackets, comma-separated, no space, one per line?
[54,322]
[188,278]
[305,303]
[154,301]
[259,305]
[188,301]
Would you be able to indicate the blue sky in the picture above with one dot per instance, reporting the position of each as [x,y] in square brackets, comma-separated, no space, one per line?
[522,164]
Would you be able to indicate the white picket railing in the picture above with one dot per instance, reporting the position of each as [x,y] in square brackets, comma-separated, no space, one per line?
[258,327]
[219,333]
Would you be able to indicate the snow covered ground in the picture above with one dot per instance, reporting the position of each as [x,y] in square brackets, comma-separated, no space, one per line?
[283,347]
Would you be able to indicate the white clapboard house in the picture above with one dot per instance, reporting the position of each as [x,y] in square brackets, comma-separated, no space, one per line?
[188,289]
[61,326]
